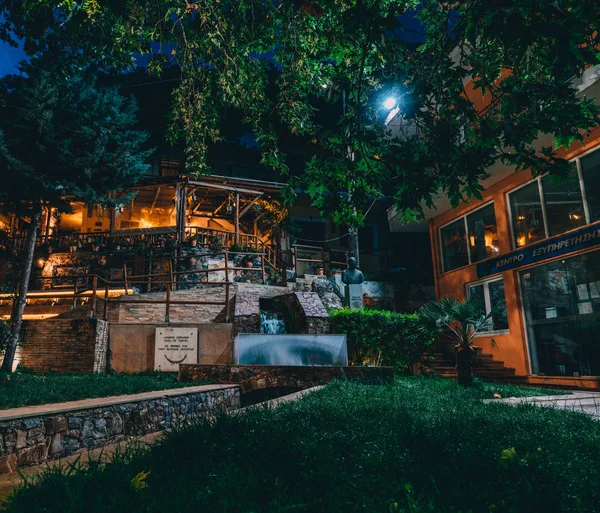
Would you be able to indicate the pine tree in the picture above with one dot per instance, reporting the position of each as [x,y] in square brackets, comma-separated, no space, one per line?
[61,135]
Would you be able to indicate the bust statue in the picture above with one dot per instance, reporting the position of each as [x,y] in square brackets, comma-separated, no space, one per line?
[352,275]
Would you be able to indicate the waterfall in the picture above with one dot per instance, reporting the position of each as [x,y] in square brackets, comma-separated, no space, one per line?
[271,323]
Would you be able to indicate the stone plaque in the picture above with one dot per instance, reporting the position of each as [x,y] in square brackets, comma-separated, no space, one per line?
[354,296]
[174,346]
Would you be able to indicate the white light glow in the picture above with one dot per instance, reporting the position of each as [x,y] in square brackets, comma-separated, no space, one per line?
[389,103]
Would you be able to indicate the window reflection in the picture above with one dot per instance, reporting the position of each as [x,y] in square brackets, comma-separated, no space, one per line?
[562,311]
[564,205]
[527,216]
[590,167]
[454,245]
[483,237]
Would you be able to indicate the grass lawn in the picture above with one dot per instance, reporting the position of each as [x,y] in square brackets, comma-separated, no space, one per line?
[420,445]
[27,389]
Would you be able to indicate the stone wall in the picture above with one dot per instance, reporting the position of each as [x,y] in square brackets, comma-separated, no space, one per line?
[64,345]
[306,313]
[33,435]
[246,313]
[255,377]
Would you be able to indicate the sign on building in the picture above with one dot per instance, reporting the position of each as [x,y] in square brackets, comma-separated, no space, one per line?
[174,346]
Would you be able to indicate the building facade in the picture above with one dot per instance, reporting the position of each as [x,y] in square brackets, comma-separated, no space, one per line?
[530,249]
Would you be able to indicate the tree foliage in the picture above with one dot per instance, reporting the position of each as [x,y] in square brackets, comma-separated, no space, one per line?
[289,63]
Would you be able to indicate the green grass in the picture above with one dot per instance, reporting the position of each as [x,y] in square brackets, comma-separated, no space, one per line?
[28,389]
[419,445]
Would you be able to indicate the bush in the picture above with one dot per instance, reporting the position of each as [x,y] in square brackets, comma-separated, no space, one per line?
[5,336]
[379,337]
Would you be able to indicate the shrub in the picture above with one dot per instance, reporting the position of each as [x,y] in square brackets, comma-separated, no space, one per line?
[379,337]
[5,336]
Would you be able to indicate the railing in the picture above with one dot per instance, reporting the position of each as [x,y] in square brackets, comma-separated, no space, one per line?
[315,256]
[93,288]
[205,237]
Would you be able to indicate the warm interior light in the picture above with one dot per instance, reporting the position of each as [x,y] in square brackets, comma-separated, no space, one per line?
[521,241]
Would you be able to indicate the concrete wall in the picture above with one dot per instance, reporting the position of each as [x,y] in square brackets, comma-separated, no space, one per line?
[132,345]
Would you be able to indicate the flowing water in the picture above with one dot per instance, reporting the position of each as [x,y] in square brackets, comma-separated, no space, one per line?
[288,349]
[271,323]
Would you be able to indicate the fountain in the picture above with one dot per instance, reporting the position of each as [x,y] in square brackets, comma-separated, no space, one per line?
[271,323]
[290,349]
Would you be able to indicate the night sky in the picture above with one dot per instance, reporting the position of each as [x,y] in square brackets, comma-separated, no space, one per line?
[9,58]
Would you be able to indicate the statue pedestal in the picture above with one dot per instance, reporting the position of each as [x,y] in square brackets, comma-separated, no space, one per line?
[354,296]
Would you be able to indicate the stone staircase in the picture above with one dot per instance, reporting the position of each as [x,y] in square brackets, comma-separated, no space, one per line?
[486,367]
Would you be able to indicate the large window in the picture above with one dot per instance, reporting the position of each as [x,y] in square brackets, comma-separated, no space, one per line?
[491,294]
[549,206]
[469,239]
[590,170]
[561,302]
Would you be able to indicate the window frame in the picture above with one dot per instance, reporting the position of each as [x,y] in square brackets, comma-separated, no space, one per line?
[538,179]
[464,220]
[488,303]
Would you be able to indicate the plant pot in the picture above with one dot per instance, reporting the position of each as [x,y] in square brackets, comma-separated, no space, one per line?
[194,243]
[248,263]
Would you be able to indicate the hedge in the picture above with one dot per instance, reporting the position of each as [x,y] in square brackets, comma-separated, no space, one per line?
[379,337]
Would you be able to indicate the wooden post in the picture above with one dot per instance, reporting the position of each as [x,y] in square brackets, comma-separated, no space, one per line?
[74,293]
[262,264]
[125,279]
[237,218]
[106,301]
[94,294]
[227,312]
[168,304]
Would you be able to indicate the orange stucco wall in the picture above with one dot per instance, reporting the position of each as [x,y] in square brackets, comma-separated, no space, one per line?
[512,347]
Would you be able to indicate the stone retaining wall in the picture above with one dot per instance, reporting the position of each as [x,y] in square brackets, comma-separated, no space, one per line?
[256,377]
[33,435]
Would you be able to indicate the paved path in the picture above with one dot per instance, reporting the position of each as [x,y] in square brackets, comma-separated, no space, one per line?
[586,402]
[8,482]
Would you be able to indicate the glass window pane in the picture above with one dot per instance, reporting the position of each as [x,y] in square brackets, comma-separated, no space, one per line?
[454,245]
[564,206]
[498,301]
[590,165]
[527,217]
[478,292]
[562,312]
[483,238]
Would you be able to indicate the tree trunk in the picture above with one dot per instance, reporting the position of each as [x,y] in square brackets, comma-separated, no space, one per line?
[354,248]
[16,317]
[464,364]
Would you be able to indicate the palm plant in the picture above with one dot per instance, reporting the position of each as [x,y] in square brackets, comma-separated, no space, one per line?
[461,321]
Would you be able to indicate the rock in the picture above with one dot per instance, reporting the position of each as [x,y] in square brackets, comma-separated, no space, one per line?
[8,464]
[21,439]
[56,445]
[31,423]
[332,301]
[32,455]
[75,423]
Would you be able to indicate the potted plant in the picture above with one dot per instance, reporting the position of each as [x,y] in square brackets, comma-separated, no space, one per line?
[194,240]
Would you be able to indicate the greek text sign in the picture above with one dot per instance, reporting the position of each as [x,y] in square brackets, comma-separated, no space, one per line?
[573,241]
[175,346]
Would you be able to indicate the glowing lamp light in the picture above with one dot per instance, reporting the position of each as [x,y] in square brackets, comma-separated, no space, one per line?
[389,103]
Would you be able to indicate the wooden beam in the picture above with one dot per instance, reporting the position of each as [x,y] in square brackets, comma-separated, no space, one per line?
[247,207]
[156,195]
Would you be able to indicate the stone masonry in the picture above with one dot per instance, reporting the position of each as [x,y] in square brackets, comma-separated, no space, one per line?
[246,313]
[33,435]
[65,345]
[256,377]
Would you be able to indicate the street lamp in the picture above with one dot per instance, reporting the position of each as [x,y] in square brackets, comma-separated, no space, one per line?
[390,103]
